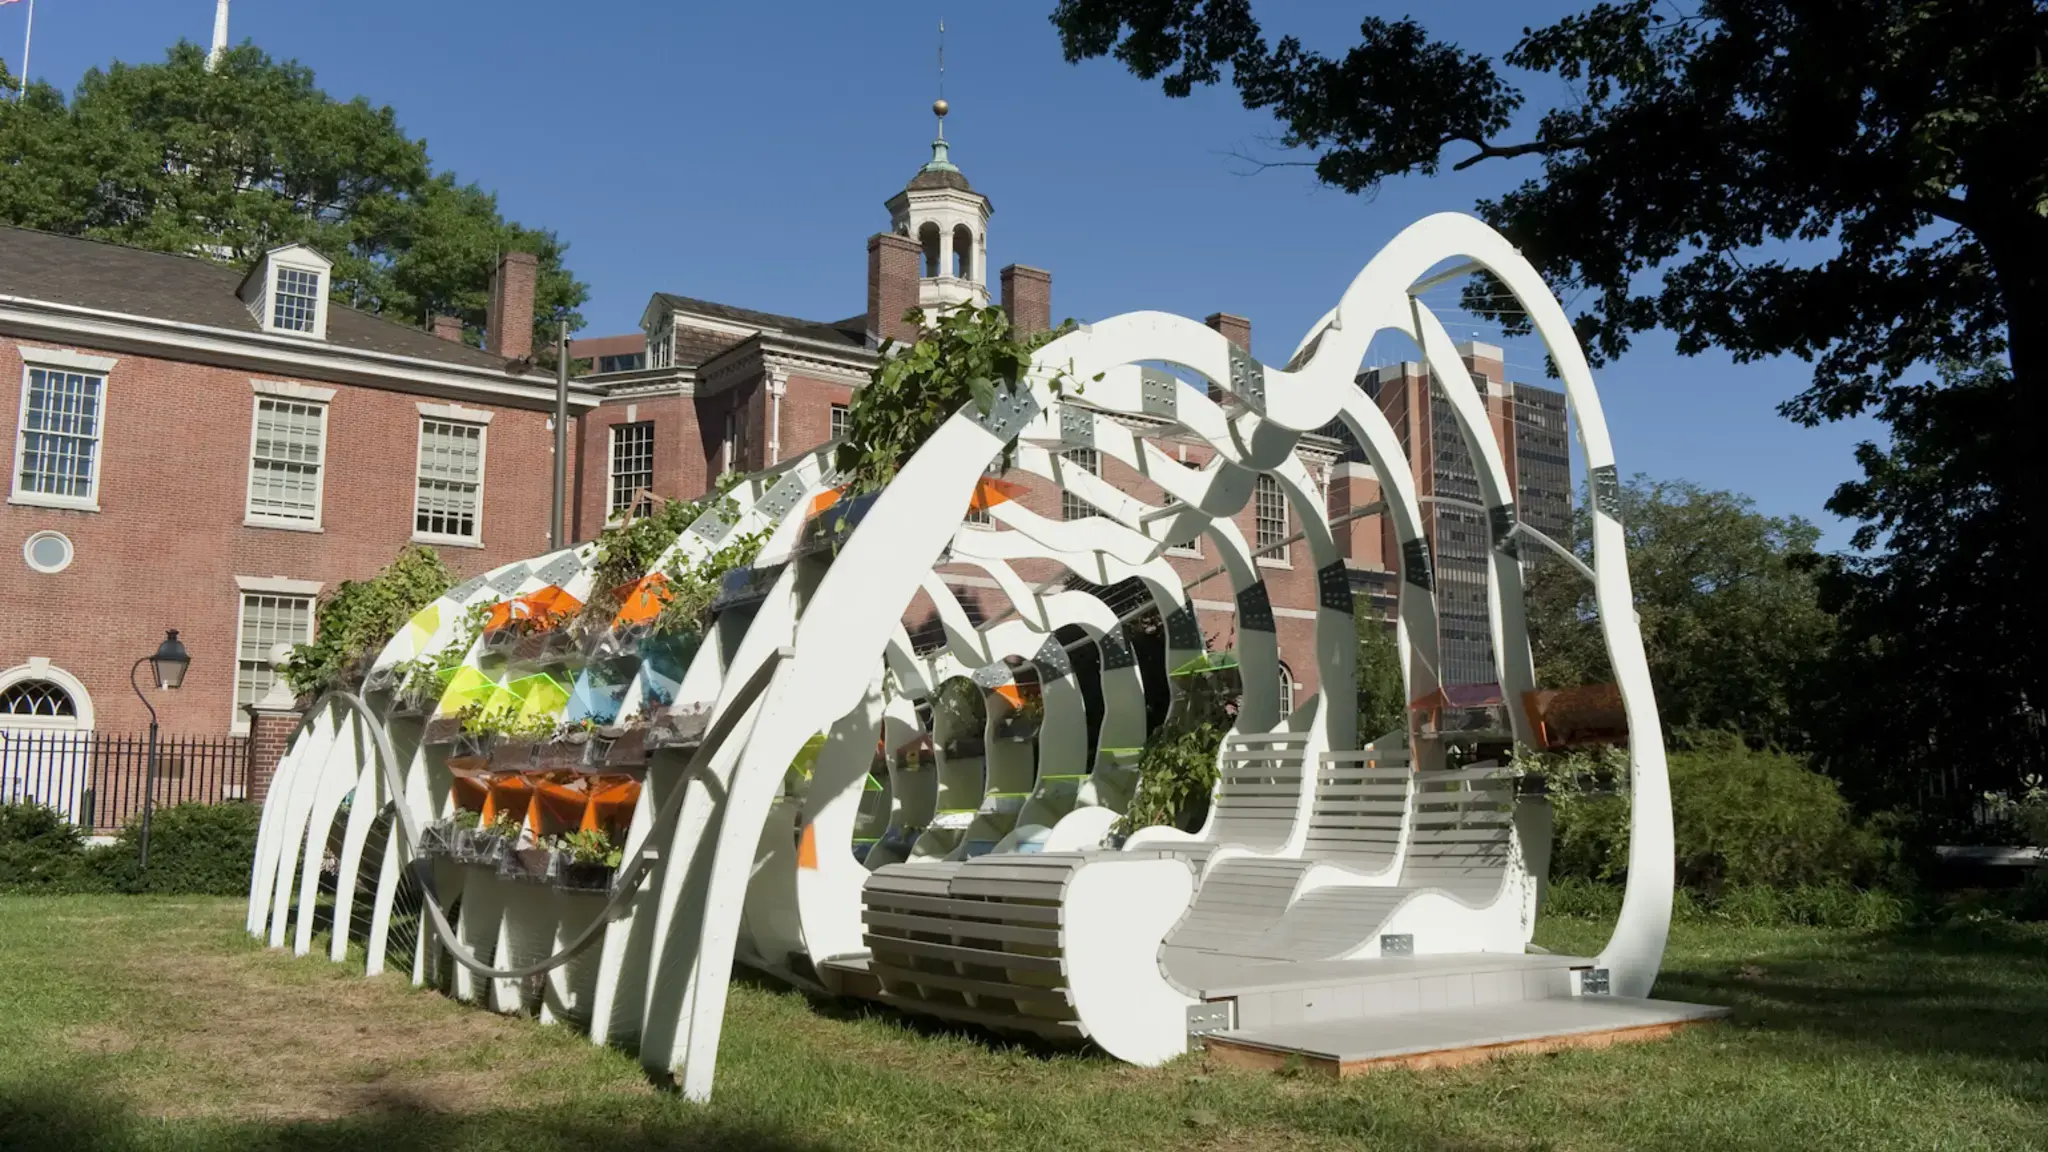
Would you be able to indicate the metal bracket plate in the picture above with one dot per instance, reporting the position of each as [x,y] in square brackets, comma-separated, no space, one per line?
[1255,608]
[1607,491]
[782,497]
[1013,408]
[1333,587]
[1053,661]
[1397,944]
[1248,379]
[1502,518]
[510,579]
[1077,427]
[1183,630]
[710,527]
[1594,982]
[561,569]
[1116,651]
[1159,393]
[989,677]
[462,592]
[1415,563]
[1209,1016]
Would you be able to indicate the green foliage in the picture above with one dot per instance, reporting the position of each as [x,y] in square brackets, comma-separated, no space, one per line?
[1860,187]
[692,587]
[194,849]
[1727,602]
[361,616]
[2025,811]
[1177,770]
[1382,692]
[1743,818]
[965,356]
[1752,906]
[39,850]
[589,846]
[453,653]
[629,548]
[229,163]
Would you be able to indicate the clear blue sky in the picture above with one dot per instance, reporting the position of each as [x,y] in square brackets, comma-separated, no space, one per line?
[741,153]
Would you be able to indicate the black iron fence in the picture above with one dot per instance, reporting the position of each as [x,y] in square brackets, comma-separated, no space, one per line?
[98,779]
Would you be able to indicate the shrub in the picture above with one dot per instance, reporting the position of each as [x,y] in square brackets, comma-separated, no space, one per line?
[361,616]
[39,850]
[194,850]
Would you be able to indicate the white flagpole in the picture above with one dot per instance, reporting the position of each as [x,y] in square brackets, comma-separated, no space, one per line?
[30,31]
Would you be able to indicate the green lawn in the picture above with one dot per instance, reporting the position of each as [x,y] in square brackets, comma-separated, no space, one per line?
[143,1023]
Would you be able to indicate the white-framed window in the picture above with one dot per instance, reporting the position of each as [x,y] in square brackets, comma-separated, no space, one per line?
[1072,507]
[838,421]
[448,504]
[295,299]
[61,421]
[1190,547]
[287,454]
[1286,692]
[266,620]
[632,464]
[1269,516]
[661,346]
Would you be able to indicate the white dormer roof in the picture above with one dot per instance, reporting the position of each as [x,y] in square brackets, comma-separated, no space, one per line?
[287,291]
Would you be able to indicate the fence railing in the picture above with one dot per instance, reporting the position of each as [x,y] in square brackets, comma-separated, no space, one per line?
[98,779]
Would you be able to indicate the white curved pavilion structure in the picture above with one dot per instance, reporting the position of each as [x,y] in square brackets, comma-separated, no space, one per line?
[1352,897]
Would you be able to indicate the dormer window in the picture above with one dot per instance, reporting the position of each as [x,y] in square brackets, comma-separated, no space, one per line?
[295,300]
[287,291]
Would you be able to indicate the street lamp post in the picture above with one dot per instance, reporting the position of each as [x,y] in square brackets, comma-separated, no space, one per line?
[167,665]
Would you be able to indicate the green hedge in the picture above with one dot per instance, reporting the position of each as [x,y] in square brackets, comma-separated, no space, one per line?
[194,850]
[1752,906]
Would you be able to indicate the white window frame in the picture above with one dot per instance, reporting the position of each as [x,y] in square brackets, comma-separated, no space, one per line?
[288,394]
[1285,557]
[611,465]
[274,273]
[1071,504]
[836,420]
[273,586]
[61,360]
[1287,687]
[450,414]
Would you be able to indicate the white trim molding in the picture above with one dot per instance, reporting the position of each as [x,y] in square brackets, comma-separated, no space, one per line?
[292,391]
[455,412]
[281,585]
[41,668]
[65,358]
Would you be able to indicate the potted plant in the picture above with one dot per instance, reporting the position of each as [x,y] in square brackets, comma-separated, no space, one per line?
[534,864]
[438,838]
[487,844]
[682,726]
[586,860]
[416,688]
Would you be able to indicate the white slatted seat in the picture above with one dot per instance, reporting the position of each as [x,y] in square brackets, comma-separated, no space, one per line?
[1258,804]
[1455,875]
[1360,811]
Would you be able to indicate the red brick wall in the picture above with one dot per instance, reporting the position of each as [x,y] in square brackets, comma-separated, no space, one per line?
[168,541]
[893,265]
[678,454]
[269,733]
[1027,297]
[807,413]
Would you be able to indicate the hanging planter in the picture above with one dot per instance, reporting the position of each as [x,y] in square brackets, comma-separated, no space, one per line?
[664,658]
[528,865]
[600,690]
[680,727]
[480,846]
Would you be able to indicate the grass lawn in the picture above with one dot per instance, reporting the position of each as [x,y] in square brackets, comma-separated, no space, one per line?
[154,1023]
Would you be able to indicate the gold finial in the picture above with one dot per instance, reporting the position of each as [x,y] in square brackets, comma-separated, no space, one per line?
[940,107]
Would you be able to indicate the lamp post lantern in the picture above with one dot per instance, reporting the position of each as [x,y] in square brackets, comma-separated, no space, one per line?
[167,666]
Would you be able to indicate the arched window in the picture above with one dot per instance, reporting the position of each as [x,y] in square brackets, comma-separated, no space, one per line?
[963,252]
[37,699]
[1286,692]
[928,236]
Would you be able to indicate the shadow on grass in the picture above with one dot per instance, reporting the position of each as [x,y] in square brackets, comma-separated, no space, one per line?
[56,1120]
[1976,991]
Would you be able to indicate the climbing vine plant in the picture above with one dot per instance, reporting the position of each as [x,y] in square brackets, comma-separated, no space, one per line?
[354,623]
[966,354]
[628,549]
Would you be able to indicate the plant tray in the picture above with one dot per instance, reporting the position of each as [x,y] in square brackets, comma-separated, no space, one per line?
[528,865]
[442,730]
[438,838]
[542,649]
[475,846]
[626,753]
[679,727]
[573,877]
[381,679]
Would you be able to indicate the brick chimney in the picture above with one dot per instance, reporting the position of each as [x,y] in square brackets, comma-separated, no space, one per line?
[1027,297]
[893,266]
[1235,329]
[448,328]
[509,324]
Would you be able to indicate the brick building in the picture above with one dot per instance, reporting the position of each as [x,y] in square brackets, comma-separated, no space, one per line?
[202,449]
[728,388]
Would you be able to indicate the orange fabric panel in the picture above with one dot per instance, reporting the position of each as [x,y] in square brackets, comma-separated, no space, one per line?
[822,501]
[807,848]
[1012,693]
[561,805]
[469,794]
[990,491]
[642,600]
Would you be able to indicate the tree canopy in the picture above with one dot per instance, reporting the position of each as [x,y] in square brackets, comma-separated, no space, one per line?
[1728,603]
[228,163]
[1862,184]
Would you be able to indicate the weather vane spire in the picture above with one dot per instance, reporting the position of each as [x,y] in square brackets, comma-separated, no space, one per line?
[939,106]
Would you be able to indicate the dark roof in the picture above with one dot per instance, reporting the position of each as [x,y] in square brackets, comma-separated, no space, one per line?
[851,332]
[928,178]
[189,290]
